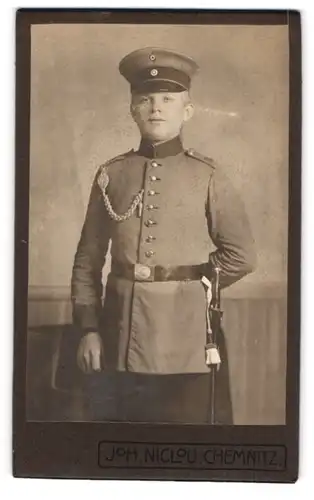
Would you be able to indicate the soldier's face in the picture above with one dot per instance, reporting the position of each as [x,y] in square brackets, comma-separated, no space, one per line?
[160,115]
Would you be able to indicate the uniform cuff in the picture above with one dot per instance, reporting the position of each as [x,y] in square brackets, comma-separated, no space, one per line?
[85,317]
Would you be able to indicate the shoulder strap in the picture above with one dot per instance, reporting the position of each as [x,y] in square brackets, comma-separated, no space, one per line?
[200,157]
[102,169]
[116,158]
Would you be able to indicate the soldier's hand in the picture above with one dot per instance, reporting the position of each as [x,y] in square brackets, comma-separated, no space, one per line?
[90,353]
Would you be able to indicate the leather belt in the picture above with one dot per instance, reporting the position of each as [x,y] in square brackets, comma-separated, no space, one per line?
[142,272]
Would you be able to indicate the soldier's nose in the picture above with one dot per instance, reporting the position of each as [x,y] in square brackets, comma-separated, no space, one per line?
[155,103]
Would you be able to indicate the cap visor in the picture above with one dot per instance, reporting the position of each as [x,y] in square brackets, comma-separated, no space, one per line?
[158,85]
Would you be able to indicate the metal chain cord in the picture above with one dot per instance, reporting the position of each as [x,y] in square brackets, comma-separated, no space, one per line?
[103,182]
[128,214]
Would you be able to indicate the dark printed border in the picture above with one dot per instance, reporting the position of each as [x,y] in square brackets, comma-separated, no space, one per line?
[70,450]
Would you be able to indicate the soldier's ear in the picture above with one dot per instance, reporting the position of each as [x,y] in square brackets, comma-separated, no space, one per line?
[188,111]
[132,110]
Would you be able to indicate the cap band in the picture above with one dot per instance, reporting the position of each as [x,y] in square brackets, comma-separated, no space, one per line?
[161,78]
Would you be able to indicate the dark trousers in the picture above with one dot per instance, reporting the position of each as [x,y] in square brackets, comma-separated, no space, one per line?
[133,397]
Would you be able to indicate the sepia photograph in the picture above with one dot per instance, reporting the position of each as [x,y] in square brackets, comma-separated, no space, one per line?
[157,244]
[158,223]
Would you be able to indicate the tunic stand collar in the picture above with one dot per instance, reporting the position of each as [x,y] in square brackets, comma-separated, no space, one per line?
[161,150]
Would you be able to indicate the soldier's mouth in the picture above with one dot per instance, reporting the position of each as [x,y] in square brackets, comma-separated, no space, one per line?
[156,120]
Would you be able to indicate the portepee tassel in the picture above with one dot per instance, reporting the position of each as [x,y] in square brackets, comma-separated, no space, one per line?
[212,356]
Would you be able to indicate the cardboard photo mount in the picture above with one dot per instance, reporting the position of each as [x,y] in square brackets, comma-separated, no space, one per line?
[112,450]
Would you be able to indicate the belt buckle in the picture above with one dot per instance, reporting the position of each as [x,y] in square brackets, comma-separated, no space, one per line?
[143,272]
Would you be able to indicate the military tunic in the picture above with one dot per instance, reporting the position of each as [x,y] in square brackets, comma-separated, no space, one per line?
[190,215]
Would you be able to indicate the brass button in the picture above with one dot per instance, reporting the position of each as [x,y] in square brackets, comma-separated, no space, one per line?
[150,238]
[151,192]
[150,222]
[151,207]
[154,164]
[149,253]
[154,178]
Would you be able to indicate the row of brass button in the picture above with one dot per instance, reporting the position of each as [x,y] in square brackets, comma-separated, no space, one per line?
[150,222]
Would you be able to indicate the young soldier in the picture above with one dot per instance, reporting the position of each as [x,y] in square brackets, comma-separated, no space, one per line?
[172,217]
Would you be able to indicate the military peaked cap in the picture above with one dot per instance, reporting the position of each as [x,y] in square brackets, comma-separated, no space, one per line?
[158,70]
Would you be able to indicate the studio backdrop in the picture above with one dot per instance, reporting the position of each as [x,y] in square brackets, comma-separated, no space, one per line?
[80,119]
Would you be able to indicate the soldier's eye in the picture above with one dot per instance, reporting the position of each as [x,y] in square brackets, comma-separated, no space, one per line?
[167,98]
